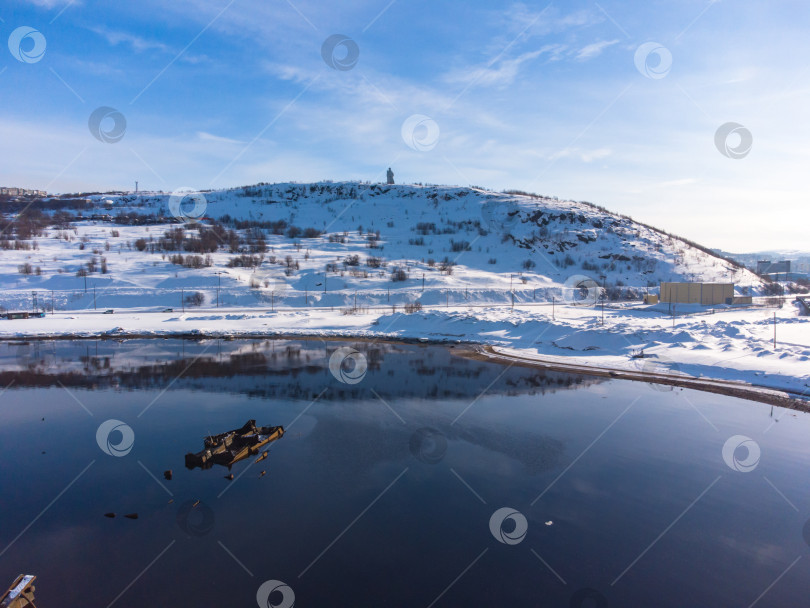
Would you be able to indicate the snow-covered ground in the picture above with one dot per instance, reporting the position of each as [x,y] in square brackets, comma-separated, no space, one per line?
[497,249]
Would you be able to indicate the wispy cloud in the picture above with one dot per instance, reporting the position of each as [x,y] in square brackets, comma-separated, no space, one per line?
[137,43]
[543,20]
[594,50]
[502,73]
[209,137]
[140,44]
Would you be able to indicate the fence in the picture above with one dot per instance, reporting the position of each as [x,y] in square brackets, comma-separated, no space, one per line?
[177,298]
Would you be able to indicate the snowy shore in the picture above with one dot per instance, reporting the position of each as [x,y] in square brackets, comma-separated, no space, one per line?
[732,345]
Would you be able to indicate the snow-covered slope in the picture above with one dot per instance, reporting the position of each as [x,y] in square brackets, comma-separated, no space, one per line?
[431,244]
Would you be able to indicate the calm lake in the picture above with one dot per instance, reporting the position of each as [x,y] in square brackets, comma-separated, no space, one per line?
[407,476]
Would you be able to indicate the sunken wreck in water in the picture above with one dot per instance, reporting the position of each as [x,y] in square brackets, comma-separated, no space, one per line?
[230,447]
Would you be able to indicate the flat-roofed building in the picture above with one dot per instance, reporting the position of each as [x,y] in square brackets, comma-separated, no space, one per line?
[706,294]
[769,267]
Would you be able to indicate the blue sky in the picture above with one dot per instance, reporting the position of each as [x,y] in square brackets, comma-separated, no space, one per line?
[534,96]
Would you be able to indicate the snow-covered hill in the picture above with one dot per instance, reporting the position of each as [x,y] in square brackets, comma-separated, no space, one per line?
[320,244]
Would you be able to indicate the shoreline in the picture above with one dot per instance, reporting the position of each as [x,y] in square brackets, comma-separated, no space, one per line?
[475,350]
[750,392]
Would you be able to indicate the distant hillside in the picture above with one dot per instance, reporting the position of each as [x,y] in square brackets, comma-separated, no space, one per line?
[800,260]
[555,237]
[319,243]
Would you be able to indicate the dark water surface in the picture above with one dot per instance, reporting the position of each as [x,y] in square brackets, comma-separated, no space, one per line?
[388,486]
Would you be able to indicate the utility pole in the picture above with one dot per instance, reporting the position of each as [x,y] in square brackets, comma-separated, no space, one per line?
[219,284]
[52,302]
[94,298]
[423,282]
[774,331]
[182,300]
[603,312]
[553,318]
[513,299]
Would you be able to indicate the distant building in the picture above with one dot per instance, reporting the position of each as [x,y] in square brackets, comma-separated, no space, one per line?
[25,315]
[706,294]
[8,191]
[768,267]
[390,176]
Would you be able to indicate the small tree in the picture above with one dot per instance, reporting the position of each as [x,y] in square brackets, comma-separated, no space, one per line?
[399,274]
[194,299]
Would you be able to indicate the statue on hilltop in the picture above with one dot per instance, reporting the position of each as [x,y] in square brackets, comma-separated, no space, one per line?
[390,177]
